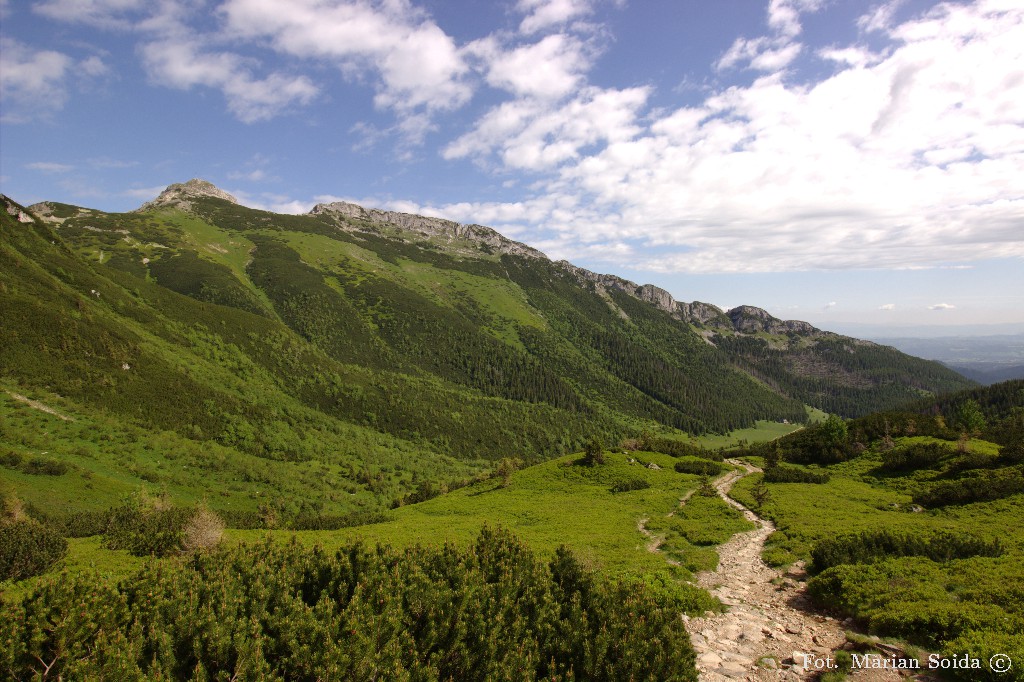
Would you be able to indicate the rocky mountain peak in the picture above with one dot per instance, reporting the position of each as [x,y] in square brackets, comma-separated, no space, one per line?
[448,232]
[180,194]
[749,319]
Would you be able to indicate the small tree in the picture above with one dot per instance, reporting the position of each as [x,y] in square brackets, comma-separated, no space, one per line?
[761,494]
[593,453]
[970,417]
[772,456]
[506,467]
[707,488]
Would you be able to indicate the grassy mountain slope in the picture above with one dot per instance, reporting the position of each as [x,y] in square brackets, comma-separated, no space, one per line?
[371,351]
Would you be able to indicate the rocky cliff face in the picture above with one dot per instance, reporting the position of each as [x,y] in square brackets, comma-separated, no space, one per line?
[749,320]
[181,194]
[447,230]
[14,210]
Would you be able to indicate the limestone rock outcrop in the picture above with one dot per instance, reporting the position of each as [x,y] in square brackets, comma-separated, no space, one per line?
[448,231]
[14,210]
[180,194]
[749,320]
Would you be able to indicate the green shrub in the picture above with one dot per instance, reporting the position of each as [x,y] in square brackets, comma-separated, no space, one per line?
[931,624]
[678,448]
[593,453]
[1012,453]
[334,521]
[984,644]
[699,467]
[82,524]
[489,611]
[915,456]
[28,548]
[11,459]
[870,546]
[985,486]
[630,484]
[146,529]
[785,474]
[40,466]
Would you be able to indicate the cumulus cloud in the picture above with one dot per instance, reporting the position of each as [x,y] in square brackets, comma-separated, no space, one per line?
[544,14]
[887,306]
[550,68]
[535,136]
[183,64]
[144,193]
[773,52]
[784,15]
[905,159]
[880,18]
[32,82]
[415,62]
[942,306]
[830,304]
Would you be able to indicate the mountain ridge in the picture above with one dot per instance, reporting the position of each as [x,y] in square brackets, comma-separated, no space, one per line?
[743,318]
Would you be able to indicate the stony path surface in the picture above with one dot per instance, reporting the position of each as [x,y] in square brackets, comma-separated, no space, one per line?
[769,626]
[39,406]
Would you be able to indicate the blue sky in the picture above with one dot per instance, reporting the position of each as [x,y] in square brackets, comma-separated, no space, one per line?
[829,160]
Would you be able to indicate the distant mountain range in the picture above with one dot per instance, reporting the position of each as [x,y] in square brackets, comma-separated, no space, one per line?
[986,359]
[288,338]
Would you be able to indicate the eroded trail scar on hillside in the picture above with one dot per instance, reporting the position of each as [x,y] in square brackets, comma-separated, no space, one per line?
[765,632]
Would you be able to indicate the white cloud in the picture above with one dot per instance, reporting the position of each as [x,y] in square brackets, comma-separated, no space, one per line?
[942,306]
[106,162]
[535,136]
[32,82]
[104,13]
[49,167]
[773,60]
[760,54]
[880,18]
[416,63]
[906,159]
[830,304]
[275,203]
[551,68]
[258,175]
[742,49]
[784,15]
[93,66]
[144,193]
[544,14]
[182,63]
[850,56]
[887,306]
[776,52]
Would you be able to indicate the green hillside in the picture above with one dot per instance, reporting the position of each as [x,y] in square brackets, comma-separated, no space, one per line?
[332,362]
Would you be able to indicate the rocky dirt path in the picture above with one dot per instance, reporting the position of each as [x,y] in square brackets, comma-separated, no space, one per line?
[39,406]
[769,626]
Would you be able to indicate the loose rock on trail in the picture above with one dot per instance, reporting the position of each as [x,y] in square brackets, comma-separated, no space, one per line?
[769,626]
